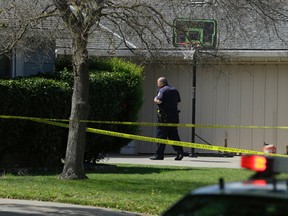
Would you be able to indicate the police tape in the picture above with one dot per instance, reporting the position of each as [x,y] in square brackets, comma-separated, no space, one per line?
[154,140]
[168,142]
[148,123]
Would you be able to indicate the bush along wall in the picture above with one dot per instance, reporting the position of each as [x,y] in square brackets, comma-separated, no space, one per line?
[115,95]
[26,143]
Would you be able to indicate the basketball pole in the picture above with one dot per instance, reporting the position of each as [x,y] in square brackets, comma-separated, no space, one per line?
[194,34]
[194,75]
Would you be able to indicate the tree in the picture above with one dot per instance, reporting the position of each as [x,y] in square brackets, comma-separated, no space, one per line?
[79,25]
[81,17]
[145,23]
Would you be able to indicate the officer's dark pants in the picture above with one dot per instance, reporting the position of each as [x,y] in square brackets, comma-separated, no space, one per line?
[170,133]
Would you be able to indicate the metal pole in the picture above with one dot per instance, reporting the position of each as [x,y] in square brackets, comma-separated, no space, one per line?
[194,71]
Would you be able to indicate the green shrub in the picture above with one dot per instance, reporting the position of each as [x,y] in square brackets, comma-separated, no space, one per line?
[115,95]
[35,97]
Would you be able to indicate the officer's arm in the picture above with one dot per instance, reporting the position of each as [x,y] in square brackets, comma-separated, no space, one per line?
[157,101]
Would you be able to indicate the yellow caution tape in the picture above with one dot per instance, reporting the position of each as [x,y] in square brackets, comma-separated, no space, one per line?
[147,139]
[149,123]
[169,142]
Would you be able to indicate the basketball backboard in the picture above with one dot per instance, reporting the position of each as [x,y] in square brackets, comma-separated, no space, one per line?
[194,33]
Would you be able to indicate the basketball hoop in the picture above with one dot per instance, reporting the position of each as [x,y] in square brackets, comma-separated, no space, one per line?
[194,33]
[189,49]
[189,54]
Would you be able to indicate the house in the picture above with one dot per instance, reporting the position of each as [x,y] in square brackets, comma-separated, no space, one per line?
[243,82]
[240,82]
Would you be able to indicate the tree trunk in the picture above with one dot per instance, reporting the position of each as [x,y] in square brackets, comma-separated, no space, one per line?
[74,159]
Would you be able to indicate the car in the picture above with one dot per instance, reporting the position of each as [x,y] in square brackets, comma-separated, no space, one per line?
[264,194]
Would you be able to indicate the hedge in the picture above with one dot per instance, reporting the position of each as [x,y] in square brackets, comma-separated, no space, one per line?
[37,97]
[115,94]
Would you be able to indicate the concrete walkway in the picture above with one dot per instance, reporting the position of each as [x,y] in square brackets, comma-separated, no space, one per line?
[11,207]
[209,162]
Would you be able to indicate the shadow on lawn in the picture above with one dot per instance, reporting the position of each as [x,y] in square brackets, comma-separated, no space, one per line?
[133,169]
[99,168]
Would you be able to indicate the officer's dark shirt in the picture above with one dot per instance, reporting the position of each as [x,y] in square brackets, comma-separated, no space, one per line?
[170,97]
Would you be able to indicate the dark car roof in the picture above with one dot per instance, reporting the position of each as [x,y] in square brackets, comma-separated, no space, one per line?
[263,194]
[275,188]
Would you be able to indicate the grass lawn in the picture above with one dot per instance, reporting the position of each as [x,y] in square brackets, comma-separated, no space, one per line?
[136,188]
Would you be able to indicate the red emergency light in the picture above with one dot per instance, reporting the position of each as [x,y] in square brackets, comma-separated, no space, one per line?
[265,167]
[254,162]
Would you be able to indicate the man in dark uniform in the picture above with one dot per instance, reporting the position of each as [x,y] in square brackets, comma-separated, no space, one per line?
[167,100]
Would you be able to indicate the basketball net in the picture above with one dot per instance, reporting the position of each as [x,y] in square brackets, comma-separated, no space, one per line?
[188,49]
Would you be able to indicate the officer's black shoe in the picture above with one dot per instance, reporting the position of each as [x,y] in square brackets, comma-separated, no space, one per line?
[156,157]
[179,157]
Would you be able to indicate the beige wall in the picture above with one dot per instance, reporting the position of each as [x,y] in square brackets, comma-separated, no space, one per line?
[251,94]
[242,94]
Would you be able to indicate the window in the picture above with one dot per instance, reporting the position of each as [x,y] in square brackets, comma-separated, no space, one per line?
[5,66]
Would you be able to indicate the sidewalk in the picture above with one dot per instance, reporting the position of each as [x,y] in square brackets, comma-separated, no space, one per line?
[10,207]
[209,162]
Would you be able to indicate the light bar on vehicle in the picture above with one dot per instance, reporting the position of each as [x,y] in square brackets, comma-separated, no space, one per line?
[254,162]
[260,163]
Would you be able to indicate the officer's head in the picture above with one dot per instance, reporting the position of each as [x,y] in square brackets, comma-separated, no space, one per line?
[162,81]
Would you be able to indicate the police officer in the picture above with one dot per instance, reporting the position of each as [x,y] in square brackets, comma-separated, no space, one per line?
[167,100]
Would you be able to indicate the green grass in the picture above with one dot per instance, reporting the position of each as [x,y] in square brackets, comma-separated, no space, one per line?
[144,189]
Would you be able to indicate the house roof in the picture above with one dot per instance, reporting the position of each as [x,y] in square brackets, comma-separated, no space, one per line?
[239,31]
[247,32]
